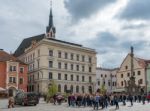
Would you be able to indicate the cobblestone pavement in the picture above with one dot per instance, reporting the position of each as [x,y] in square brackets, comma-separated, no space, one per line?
[42,106]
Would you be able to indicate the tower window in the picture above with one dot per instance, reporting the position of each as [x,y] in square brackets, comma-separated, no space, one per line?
[50,52]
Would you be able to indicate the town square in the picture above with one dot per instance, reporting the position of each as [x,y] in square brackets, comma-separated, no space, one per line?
[74,55]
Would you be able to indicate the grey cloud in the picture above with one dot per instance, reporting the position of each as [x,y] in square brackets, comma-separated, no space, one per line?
[84,8]
[131,26]
[103,43]
[137,10]
[138,45]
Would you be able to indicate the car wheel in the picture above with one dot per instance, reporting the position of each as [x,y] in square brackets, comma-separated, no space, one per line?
[35,104]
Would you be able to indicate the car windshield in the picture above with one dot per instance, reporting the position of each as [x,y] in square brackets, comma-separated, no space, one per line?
[31,95]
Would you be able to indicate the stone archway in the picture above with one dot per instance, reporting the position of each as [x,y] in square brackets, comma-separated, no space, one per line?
[12,91]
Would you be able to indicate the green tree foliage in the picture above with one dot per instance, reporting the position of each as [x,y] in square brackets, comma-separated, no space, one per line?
[52,89]
[103,89]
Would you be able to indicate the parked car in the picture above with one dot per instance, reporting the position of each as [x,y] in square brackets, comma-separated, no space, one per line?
[26,98]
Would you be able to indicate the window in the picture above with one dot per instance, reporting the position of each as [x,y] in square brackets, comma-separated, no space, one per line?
[21,69]
[133,73]
[139,72]
[50,52]
[83,58]
[71,88]
[103,82]
[50,75]
[71,56]
[71,77]
[59,88]
[59,65]
[105,75]
[121,83]
[50,64]
[65,88]
[65,76]
[59,76]
[82,78]
[77,78]
[101,75]
[126,67]
[12,68]
[90,69]
[90,60]
[90,79]
[77,67]
[59,54]
[113,83]
[83,68]
[66,55]
[71,66]
[128,74]
[77,89]
[121,75]
[12,80]
[21,81]
[66,66]
[77,57]
[141,81]
[109,83]
[98,83]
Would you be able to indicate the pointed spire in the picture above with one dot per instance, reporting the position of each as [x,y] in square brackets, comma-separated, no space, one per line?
[50,30]
[51,15]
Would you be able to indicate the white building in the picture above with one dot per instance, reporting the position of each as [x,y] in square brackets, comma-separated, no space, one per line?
[106,77]
[70,65]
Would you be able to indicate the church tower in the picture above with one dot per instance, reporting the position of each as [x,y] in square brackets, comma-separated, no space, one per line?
[50,29]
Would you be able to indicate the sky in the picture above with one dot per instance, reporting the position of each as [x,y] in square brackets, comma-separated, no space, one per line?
[108,26]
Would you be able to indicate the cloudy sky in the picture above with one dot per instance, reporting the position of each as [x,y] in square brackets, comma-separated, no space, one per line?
[109,26]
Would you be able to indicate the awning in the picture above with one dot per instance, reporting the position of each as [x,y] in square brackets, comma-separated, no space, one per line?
[2,89]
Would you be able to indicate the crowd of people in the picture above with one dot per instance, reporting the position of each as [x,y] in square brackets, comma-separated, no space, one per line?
[104,100]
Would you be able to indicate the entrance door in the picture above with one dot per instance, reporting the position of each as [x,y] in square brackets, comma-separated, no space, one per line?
[10,92]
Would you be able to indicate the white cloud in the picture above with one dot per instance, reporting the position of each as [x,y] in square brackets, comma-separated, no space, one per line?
[20,19]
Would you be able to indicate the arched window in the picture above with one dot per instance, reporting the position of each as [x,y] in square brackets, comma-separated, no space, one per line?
[71,88]
[59,88]
[77,89]
[65,88]
[83,89]
[90,89]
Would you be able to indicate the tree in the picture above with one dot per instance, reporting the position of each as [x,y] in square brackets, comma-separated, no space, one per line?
[103,89]
[52,89]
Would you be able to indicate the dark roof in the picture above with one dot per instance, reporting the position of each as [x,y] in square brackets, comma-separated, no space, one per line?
[65,42]
[26,43]
[4,56]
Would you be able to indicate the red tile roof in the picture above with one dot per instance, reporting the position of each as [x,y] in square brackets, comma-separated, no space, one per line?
[4,56]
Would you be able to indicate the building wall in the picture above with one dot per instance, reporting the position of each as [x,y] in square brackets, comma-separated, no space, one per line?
[39,76]
[148,77]
[24,76]
[106,77]
[6,75]
[125,70]
[2,74]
